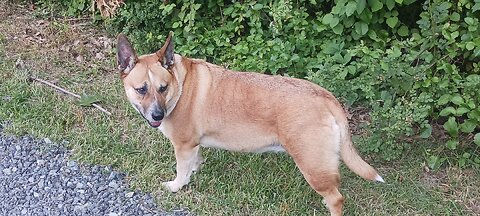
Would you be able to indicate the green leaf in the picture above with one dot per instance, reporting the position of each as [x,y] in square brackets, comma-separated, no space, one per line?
[474,114]
[476,7]
[361,5]
[403,31]
[448,111]
[444,6]
[476,139]
[373,35]
[348,22]
[350,8]
[257,7]
[470,45]
[473,78]
[399,1]
[88,100]
[471,104]
[228,10]
[338,29]
[342,74]
[361,28]
[334,21]
[351,69]
[455,17]
[366,15]
[375,5]
[330,19]
[81,6]
[427,132]
[327,18]
[176,24]
[468,126]
[457,100]
[347,57]
[390,4]
[392,21]
[469,20]
[331,48]
[339,8]
[472,28]
[196,6]
[337,57]
[455,34]
[451,127]
[434,162]
[452,144]
[461,110]
[385,96]
[444,99]
[351,98]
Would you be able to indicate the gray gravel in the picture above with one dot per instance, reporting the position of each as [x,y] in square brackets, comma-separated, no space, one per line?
[37,178]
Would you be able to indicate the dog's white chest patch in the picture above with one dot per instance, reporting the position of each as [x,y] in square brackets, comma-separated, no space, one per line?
[163,130]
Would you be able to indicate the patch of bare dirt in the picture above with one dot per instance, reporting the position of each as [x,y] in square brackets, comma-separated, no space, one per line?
[359,118]
[56,46]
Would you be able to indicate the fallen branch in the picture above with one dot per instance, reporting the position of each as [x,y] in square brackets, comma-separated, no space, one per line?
[69,93]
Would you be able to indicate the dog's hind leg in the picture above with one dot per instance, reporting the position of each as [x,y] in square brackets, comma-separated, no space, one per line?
[318,160]
[323,176]
[187,162]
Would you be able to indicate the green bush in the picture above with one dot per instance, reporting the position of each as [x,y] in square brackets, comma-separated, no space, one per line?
[413,63]
[67,7]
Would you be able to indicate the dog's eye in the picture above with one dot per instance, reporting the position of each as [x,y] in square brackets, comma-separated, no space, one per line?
[163,88]
[142,90]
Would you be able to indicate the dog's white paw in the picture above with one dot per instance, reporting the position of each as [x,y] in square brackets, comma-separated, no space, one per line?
[324,201]
[198,165]
[172,186]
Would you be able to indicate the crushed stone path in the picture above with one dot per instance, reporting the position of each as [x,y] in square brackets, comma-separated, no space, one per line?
[37,178]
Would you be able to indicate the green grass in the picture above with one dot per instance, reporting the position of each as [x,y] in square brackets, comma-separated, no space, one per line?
[229,183]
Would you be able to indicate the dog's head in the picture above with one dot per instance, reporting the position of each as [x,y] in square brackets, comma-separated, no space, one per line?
[149,80]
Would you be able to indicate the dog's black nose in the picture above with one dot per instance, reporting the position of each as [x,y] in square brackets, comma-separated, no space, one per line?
[157,116]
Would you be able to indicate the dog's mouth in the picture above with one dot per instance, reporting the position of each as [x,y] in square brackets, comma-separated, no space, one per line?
[155,124]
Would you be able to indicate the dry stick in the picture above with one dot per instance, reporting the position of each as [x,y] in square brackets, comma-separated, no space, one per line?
[69,93]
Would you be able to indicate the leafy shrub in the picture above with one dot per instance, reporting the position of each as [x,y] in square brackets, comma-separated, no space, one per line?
[67,7]
[413,63]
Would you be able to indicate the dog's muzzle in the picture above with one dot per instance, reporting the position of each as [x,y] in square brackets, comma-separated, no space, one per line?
[157,117]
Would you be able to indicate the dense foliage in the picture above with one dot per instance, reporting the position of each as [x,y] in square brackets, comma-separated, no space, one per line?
[414,64]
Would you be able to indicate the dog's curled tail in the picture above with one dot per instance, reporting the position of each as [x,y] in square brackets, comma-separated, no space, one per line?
[349,154]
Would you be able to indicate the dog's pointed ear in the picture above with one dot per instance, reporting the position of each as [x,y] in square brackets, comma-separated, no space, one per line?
[126,57]
[165,54]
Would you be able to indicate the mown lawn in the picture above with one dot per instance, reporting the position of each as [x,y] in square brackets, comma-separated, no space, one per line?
[78,56]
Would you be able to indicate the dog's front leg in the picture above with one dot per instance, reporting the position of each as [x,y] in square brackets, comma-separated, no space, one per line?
[197,163]
[186,157]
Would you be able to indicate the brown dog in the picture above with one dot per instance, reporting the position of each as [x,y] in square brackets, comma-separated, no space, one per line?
[195,103]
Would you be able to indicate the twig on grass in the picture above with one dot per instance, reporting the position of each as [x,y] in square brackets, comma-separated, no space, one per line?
[77,19]
[69,93]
